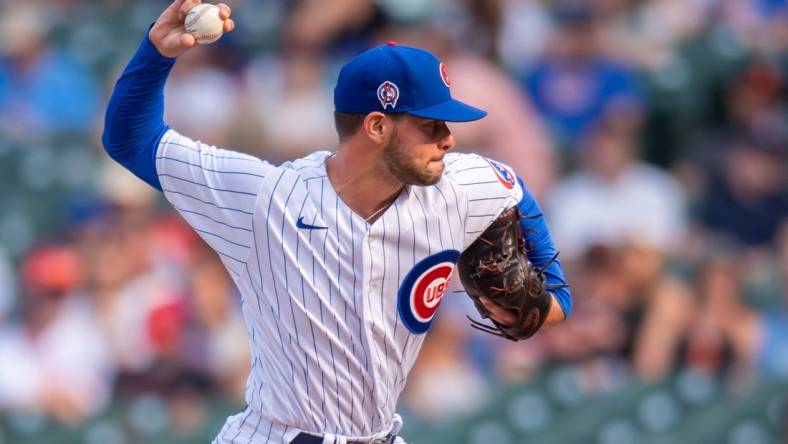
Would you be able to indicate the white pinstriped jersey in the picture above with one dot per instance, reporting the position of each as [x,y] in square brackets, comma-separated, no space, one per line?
[336,308]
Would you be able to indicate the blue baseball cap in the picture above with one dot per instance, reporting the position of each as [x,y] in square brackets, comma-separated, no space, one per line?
[400,79]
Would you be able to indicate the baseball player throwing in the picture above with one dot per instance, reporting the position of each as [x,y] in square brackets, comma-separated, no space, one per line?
[341,258]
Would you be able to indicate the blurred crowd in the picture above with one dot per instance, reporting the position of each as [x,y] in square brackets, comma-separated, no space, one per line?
[653,132]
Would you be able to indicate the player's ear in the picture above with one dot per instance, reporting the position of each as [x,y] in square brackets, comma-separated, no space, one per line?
[377,127]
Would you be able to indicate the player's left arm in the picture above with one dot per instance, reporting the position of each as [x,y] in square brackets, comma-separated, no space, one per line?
[491,188]
[544,255]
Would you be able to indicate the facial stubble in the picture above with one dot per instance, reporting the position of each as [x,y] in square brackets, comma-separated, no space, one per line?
[400,164]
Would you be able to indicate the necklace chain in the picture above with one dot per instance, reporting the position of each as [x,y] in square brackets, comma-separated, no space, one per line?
[385,205]
[378,211]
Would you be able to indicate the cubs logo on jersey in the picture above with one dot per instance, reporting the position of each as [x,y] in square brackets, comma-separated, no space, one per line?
[504,174]
[388,94]
[423,289]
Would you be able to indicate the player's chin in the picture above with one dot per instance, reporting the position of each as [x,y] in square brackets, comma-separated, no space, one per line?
[437,166]
[434,172]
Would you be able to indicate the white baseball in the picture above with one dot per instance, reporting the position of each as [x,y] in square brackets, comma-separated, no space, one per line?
[203,22]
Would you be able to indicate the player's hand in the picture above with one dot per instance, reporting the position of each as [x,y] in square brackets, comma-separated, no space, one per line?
[169,34]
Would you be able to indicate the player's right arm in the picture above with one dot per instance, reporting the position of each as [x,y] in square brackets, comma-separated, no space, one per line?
[215,190]
[134,122]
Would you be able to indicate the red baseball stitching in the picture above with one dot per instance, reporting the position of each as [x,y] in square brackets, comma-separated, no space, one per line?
[197,17]
[207,36]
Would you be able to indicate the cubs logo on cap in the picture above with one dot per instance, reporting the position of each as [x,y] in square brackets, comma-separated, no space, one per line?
[445,75]
[423,289]
[503,173]
[388,94]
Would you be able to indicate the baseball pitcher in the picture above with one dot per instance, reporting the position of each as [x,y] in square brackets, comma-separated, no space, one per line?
[342,258]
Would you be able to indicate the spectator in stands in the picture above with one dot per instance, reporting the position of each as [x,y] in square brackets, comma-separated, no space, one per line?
[631,317]
[723,338]
[56,361]
[575,85]
[202,90]
[138,294]
[758,24]
[720,334]
[748,199]
[333,25]
[616,198]
[600,328]
[288,101]
[663,308]
[649,33]
[753,110]
[754,100]
[43,89]
[287,95]
[215,341]
[526,29]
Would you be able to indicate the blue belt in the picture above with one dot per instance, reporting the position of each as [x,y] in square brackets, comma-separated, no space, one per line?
[306,438]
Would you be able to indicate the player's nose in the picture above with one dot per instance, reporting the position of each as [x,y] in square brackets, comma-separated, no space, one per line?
[447,141]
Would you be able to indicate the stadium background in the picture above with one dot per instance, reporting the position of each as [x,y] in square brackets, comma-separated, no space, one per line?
[653,131]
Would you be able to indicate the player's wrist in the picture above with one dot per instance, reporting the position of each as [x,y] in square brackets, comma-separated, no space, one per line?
[556,313]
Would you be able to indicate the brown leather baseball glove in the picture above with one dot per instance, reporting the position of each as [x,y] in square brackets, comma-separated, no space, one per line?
[496,267]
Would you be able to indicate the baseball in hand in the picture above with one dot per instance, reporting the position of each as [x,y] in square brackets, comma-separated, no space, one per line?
[204,23]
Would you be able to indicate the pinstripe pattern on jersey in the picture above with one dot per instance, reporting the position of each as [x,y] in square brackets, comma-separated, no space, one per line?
[485,196]
[214,190]
[328,351]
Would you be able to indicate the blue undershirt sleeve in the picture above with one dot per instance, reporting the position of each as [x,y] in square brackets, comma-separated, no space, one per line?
[541,248]
[134,122]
